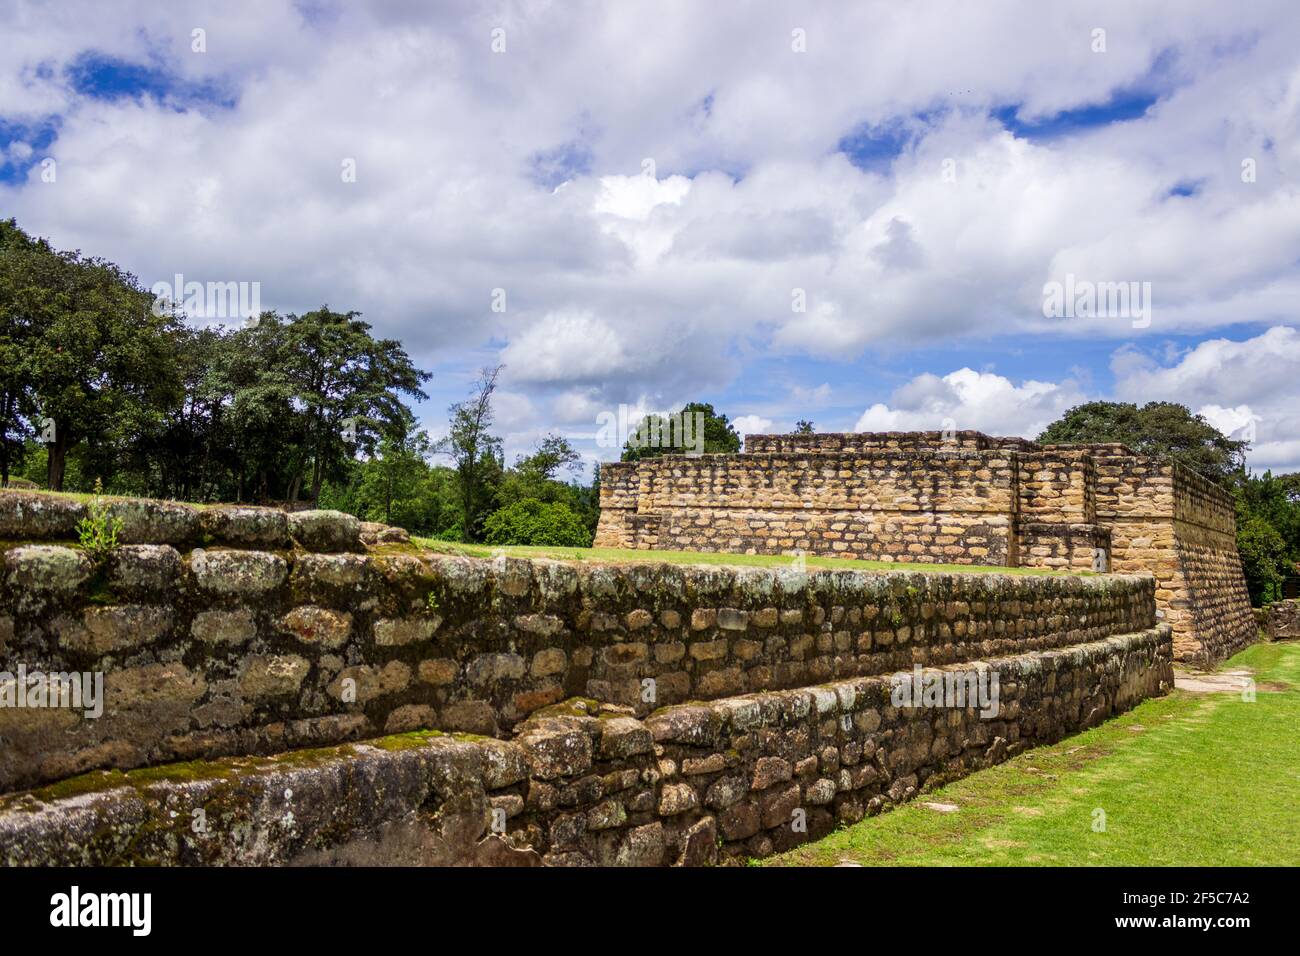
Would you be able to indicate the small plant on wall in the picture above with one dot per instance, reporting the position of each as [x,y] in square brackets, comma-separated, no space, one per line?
[98,531]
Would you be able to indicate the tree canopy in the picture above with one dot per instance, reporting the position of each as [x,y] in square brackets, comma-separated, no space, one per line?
[1159,429]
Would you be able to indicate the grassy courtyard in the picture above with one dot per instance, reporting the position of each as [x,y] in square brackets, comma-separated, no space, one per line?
[1184,780]
[614,555]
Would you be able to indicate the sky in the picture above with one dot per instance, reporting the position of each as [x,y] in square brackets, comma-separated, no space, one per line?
[874,216]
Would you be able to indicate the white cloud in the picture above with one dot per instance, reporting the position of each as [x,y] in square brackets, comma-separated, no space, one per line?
[1235,385]
[625,287]
[751,425]
[966,399]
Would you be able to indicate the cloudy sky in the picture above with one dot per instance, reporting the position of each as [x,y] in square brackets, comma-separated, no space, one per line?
[842,212]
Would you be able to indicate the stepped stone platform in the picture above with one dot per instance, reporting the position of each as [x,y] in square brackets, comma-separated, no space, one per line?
[960,497]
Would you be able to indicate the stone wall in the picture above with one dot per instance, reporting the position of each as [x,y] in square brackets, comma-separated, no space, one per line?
[326,692]
[952,498]
[1282,620]
[584,783]
[215,650]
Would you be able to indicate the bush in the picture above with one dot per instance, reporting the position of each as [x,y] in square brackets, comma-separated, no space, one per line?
[537,523]
[1263,559]
[99,530]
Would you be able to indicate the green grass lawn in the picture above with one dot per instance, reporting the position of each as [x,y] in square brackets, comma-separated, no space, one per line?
[614,555]
[1184,780]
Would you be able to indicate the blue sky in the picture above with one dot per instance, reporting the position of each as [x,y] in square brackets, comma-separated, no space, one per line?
[653,188]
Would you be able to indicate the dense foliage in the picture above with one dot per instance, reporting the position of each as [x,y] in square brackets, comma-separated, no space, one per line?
[1158,429]
[1268,506]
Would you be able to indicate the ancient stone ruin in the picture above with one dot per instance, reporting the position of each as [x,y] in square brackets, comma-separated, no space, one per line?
[277,690]
[952,498]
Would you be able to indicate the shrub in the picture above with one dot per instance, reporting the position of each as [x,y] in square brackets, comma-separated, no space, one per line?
[1263,559]
[536,523]
[98,530]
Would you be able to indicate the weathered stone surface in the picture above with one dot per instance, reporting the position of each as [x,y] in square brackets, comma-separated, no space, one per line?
[247,574]
[487,668]
[318,625]
[623,737]
[608,813]
[398,632]
[141,570]
[771,770]
[45,570]
[363,683]
[326,530]
[643,846]
[332,571]
[699,844]
[726,791]
[469,716]
[243,527]
[25,516]
[677,798]
[270,676]
[335,818]
[235,628]
[548,661]
[154,522]
[556,751]
[627,805]
[439,671]
[107,630]
[686,725]
[543,625]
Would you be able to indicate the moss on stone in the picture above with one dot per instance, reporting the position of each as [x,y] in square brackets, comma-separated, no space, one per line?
[410,740]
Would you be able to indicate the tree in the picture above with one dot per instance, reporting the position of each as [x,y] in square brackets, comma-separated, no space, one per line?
[348,383]
[18,254]
[475,451]
[395,476]
[533,522]
[803,427]
[1268,533]
[1158,429]
[1263,559]
[657,435]
[553,453]
[102,363]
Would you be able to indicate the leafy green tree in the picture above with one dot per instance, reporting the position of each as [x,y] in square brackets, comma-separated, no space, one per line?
[1161,429]
[103,364]
[554,453]
[533,522]
[348,383]
[803,427]
[1263,559]
[19,300]
[653,434]
[475,452]
[395,478]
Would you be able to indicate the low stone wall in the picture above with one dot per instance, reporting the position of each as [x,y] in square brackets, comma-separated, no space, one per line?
[584,783]
[1283,620]
[214,651]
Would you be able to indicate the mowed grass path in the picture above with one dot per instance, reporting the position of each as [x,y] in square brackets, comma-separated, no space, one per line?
[1184,780]
[616,555]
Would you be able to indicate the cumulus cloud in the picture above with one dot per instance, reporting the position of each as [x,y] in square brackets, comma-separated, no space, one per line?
[751,425]
[1248,388]
[966,399]
[753,229]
